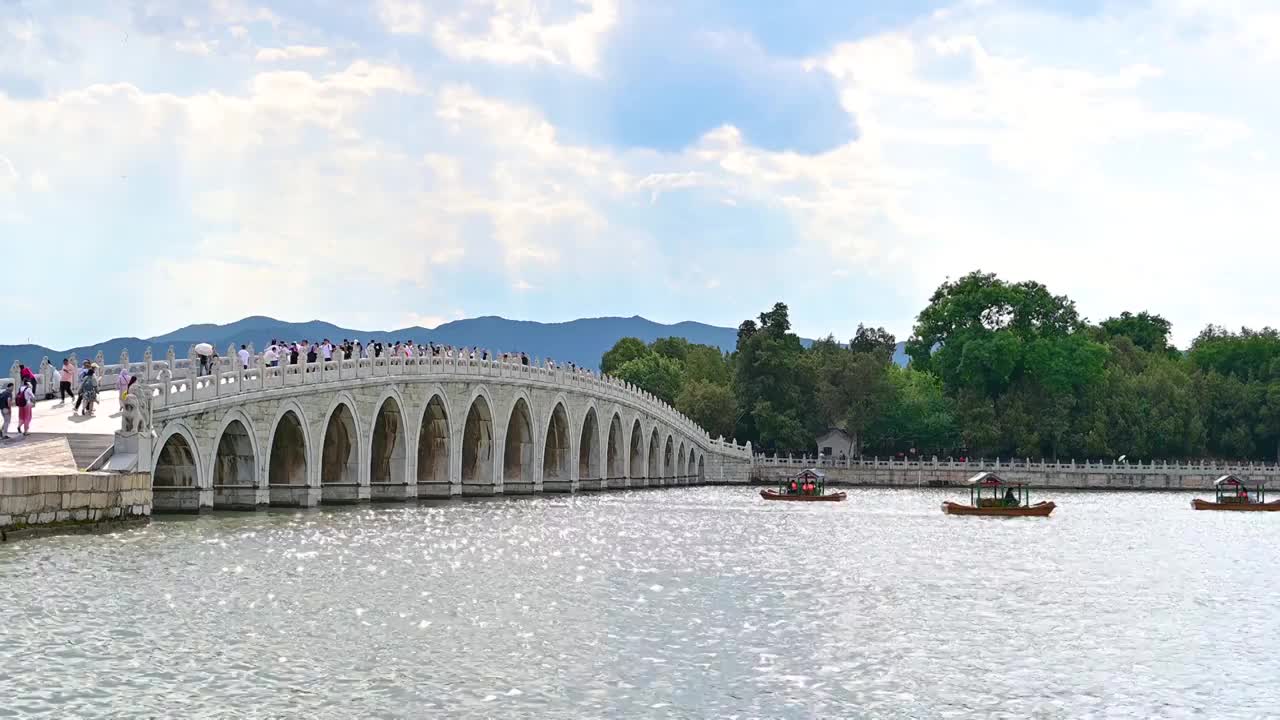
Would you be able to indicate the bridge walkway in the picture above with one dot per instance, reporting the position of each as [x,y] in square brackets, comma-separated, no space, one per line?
[60,442]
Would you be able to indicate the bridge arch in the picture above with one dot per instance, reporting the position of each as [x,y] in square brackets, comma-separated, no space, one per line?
[341,448]
[636,462]
[557,450]
[288,449]
[702,468]
[681,461]
[177,460]
[589,451]
[655,452]
[615,450]
[478,469]
[433,461]
[234,461]
[388,456]
[518,448]
[669,457]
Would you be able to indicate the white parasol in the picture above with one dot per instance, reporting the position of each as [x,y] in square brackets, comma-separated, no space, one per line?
[204,349]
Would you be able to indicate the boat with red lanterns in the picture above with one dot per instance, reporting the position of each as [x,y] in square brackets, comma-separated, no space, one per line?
[809,486]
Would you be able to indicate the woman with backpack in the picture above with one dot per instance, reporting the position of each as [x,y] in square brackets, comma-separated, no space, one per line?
[25,400]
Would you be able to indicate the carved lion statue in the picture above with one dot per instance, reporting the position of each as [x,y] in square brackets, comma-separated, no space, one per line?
[136,414]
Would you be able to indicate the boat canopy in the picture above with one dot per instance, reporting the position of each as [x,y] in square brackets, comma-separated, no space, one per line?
[1233,481]
[990,479]
[812,474]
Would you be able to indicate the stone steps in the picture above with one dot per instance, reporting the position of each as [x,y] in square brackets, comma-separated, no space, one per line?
[84,448]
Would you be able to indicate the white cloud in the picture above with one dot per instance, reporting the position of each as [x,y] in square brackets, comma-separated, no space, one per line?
[1120,158]
[403,16]
[193,47]
[292,52]
[509,32]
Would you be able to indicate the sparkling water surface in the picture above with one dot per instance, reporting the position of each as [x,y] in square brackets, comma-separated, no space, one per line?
[676,603]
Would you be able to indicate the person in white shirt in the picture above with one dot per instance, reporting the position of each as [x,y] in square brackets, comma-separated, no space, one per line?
[271,355]
[244,357]
[326,350]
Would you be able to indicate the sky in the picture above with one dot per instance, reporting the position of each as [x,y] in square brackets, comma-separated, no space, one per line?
[389,163]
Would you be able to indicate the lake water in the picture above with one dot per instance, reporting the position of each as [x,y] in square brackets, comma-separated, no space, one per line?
[681,603]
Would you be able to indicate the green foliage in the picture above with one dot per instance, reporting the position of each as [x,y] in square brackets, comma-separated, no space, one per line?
[1147,331]
[696,379]
[1248,355]
[655,373]
[711,405]
[852,388]
[997,368]
[773,381]
[872,340]
[622,352]
[706,363]
[917,414]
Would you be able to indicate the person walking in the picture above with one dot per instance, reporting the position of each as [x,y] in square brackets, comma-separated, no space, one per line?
[84,372]
[28,377]
[122,383]
[89,391]
[244,357]
[25,401]
[65,376]
[6,399]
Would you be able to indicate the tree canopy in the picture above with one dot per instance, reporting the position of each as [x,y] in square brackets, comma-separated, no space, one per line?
[996,368]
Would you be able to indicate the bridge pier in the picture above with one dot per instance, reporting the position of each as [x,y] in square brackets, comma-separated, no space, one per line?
[478,489]
[392,492]
[435,489]
[294,496]
[239,497]
[343,493]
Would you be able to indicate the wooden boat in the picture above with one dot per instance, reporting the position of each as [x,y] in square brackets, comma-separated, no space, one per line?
[774,495]
[1014,502]
[1233,494]
[809,486]
[1040,509]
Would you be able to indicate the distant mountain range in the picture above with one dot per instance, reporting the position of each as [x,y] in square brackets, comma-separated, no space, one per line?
[579,341]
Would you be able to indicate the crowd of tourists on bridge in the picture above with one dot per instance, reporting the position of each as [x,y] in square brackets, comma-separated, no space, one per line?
[297,352]
[81,384]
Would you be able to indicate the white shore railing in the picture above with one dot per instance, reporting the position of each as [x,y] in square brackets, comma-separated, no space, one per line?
[174,382]
[977,465]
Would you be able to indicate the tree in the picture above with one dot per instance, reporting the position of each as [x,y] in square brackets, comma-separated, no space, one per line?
[1249,354]
[773,383]
[852,388]
[1147,331]
[676,348]
[622,352]
[1020,362]
[659,375]
[707,363]
[973,328]
[917,414]
[710,405]
[871,340]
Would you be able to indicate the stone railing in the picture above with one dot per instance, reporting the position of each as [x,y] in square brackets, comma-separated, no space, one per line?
[174,381]
[997,464]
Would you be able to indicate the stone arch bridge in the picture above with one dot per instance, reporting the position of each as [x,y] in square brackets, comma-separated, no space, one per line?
[348,431]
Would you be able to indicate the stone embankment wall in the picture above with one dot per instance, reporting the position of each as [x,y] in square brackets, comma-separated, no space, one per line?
[1152,476]
[50,500]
